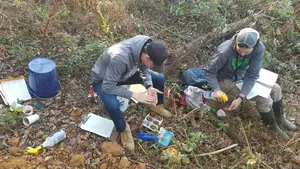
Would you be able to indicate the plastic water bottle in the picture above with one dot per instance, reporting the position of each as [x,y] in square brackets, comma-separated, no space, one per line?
[208,95]
[54,139]
[123,103]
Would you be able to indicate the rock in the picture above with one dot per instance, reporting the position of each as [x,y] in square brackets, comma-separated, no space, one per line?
[76,112]
[77,160]
[16,151]
[112,148]
[84,145]
[124,163]
[14,141]
[140,166]
[103,166]
[221,113]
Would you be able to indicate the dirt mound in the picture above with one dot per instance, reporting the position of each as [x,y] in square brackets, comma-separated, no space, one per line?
[112,148]
[77,160]
[15,162]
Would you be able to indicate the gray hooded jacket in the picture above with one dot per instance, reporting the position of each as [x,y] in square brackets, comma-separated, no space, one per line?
[118,63]
[224,62]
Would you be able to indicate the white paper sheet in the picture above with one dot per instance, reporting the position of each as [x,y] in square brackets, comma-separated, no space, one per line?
[257,89]
[137,88]
[264,84]
[14,89]
[97,125]
[267,77]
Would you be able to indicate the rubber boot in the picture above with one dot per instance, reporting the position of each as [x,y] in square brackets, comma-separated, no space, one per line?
[161,111]
[127,139]
[282,122]
[270,120]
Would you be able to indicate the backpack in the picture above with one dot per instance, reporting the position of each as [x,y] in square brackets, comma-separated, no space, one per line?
[195,89]
[194,77]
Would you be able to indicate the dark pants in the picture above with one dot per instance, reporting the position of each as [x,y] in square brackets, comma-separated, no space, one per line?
[111,104]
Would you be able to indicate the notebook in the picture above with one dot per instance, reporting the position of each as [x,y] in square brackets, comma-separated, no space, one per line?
[263,85]
[13,89]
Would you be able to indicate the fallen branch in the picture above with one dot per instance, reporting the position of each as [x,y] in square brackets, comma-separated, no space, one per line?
[188,49]
[191,112]
[216,152]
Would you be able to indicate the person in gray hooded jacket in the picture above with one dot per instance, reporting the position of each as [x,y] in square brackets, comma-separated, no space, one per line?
[129,62]
[240,59]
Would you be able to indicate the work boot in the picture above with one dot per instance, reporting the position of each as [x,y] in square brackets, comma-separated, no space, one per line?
[282,122]
[159,109]
[127,139]
[270,120]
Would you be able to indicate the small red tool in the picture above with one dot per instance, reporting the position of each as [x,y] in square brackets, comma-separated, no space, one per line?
[92,92]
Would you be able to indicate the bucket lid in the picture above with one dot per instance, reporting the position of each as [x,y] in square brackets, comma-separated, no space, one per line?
[41,65]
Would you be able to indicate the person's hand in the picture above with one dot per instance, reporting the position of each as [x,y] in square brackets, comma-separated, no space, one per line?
[143,98]
[220,96]
[235,104]
[153,92]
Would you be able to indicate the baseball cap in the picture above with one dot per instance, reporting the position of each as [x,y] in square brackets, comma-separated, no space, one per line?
[247,38]
[158,54]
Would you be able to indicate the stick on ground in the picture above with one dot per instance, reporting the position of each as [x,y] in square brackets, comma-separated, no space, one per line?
[191,112]
[218,151]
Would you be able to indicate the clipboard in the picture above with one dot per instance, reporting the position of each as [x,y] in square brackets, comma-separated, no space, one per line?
[137,88]
[13,89]
[99,126]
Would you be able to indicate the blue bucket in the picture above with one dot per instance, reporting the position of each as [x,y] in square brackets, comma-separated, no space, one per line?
[43,78]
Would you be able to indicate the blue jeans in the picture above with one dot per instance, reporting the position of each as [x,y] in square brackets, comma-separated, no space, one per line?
[111,104]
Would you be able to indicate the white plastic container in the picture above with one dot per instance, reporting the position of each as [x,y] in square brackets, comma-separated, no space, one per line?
[28,120]
[28,110]
[54,139]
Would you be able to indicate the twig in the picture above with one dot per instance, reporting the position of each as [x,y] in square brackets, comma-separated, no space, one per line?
[266,165]
[248,145]
[174,104]
[216,152]
[292,140]
[191,112]
[3,15]
[50,16]
[196,160]
[25,137]
[15,133]
[180,131]
[142,149]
